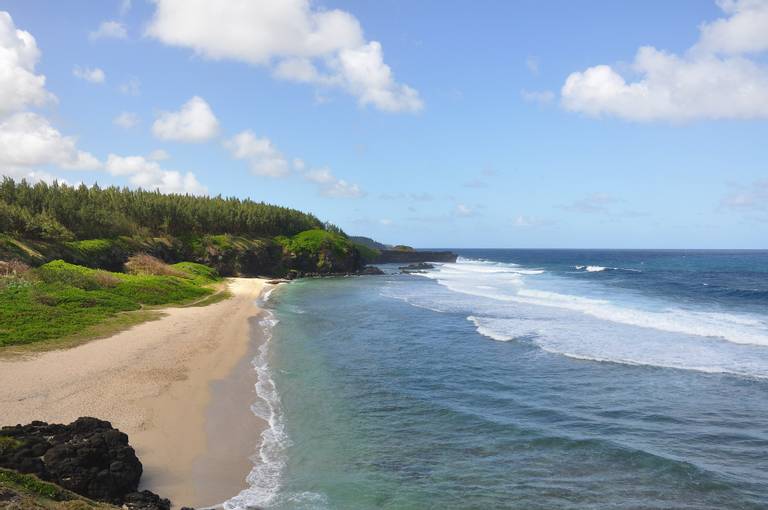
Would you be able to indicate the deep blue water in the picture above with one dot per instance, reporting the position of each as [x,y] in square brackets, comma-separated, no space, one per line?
[525,379]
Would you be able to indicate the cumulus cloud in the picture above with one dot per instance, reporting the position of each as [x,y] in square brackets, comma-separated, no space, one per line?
[264,159]
[261,154]
[94,75]
[300,43]
[331,186]
[126,120]
[109,30]
[745,31]
[193,123]
[716,79]
[19,85]
[28,140]
[144,173]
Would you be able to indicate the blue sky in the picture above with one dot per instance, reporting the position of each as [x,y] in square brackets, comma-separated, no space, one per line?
[501,124]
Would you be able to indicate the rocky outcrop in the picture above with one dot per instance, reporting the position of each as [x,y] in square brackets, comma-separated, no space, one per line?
[419,267]
[413,256]
[88,457]
[365,271]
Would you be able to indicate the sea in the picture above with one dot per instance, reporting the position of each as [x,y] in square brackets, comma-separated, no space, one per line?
[520,379]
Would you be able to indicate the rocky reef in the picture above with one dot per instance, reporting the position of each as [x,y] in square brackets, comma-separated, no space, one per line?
[418,267]
[404,256]
[88,457]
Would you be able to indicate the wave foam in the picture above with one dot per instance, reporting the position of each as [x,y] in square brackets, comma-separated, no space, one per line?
[588,320]
[264,478]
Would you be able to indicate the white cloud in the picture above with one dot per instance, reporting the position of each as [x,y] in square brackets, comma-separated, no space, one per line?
[109,30]
[464,210]
[19,85]
[28,140]
[715,79]
[301,43]
[331,186]
[195,122]
[131,88]
[263,157]
[147,174]
[126,120]
[94,75]
[320,176]
[341,189]
[745,31]
[541,97]
[523,221]
[158,155]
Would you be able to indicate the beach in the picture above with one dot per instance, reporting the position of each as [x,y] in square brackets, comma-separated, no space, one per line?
[180,387]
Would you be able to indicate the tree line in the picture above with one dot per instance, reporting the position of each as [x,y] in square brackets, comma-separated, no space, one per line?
[62,212]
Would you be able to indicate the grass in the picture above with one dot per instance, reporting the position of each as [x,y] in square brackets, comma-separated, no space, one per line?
[314,241]
[69,303]
[34,494]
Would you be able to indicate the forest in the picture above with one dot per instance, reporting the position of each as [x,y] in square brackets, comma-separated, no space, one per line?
[58,212]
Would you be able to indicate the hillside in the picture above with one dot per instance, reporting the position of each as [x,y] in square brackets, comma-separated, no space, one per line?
[101,228]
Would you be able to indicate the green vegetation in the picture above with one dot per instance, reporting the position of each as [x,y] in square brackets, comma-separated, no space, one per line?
[312,241]
[101,258]
[368,254]
[29,492]
[60,299]
[321,251]
[59,212]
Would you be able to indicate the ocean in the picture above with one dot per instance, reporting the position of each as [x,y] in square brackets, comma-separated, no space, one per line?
[523,379]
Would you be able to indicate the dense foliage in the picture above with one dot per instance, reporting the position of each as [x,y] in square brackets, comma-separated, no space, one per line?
[60,299]
[58,212]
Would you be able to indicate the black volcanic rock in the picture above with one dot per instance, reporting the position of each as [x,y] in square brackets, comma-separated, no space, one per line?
[419,267]
[370,270]
[88,457]
[414,256]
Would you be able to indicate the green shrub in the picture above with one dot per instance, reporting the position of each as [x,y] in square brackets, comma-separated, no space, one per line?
[367,253]
[198,272]
[67,299]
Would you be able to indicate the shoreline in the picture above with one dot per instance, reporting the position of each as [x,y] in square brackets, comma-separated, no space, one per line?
[173,385]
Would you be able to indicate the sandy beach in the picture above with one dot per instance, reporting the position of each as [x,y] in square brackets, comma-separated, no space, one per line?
[176,386]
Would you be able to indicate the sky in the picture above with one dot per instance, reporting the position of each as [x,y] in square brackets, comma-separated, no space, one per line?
[526,124]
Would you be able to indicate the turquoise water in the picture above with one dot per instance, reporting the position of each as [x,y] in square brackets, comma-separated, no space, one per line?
[523,380]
